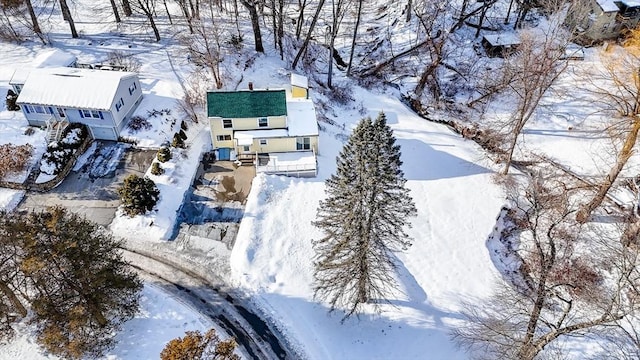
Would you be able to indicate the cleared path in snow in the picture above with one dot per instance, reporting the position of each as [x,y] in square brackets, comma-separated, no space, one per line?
[255,338]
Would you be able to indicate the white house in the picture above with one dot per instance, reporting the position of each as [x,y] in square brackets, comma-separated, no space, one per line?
[102,100]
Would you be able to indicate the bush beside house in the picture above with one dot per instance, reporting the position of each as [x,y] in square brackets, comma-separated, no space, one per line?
[59,153]
[138,195]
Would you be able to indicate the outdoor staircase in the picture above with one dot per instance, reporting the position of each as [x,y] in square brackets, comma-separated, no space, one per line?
[54,129]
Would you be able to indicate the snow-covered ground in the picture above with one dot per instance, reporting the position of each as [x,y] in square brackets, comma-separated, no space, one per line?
[162,318]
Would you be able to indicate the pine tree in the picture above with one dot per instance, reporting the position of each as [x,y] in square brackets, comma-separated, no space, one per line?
[363,218]
[138,195]
[71,275]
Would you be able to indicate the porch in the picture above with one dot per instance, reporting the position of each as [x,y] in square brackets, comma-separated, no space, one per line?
[295,163]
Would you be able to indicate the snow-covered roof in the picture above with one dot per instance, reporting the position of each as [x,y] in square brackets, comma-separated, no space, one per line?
[47,59]
[301,117]
[502,39]
[607,5]
[630,3]
[53,58]
[299,81]
[72,87]
[246,137]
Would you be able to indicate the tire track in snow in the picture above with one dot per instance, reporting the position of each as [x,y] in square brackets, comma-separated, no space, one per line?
[250,331]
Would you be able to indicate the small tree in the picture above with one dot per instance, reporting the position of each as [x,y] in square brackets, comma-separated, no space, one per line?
[178,141]
[363,218]
[138,195]
[156,169]
[164,154]
[11,99]
[197,346]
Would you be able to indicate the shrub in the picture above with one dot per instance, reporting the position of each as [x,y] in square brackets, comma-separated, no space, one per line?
[138,123]
[183,125]
[73,136]
[30,131]
[195,345]
[55,158]
[119,58]
[164,154]
[156,169]
[183,135]
[11,101]
[178,141]
[14,158]
[138,195]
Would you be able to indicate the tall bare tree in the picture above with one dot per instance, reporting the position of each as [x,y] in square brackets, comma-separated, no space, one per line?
[148,9]
[116,14]
[305,43]
[572,281]
[250,5]
[66,14]
[621,89]
[528,75]
[126,6]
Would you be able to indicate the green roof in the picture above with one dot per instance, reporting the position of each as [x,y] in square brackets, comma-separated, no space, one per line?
[246,103]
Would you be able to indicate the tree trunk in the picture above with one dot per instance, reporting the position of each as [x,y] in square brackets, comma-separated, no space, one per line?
[355,32]
[115,11]
[34,18]
[66,14]
[300,20]
[149,13]
[308,38]
[255,23]
[627,150]
[166,8]
[281,27]
[4,288]
[407,16]
[126,7]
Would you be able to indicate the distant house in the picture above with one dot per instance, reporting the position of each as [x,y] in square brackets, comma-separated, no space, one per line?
[47,59]
[102,100]
[500,44]
[276,130]
[596,20]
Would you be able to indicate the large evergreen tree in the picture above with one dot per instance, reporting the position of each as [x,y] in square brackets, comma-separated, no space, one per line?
[71,275]
[363,218]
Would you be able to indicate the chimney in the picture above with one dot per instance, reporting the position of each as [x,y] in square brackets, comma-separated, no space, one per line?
[250,86]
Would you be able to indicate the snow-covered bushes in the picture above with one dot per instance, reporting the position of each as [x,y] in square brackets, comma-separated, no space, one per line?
[138,123]
[59,153]
[11,99]
[164,154]
[156,169]
[14,158]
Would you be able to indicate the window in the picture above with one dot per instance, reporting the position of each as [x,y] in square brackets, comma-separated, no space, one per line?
[39,109]
[263,141]
[263,122]
[245,148]
[119,104]
[61,112]
[86,113]
[18,88]
[132,88]
[95,114]
[227,123]
[303,143]
[224,137]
